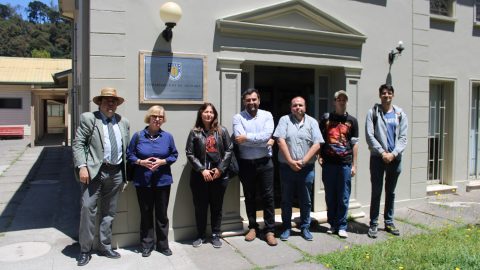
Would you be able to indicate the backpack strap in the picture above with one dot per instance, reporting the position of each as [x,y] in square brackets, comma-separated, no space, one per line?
[375,115]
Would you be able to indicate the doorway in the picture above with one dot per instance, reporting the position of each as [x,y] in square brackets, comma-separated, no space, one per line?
[277,87]
[439,132]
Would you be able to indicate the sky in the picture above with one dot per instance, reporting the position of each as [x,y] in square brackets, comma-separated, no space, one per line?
[24,4]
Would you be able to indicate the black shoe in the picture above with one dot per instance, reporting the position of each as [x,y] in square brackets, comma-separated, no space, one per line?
[109,253]
[83,258]
[390,228]
[166,252]
[146,252]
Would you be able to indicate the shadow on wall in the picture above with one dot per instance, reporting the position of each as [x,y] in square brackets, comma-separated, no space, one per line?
[442,25]
[183,214]
[161,45]
[374,2]
[476,31]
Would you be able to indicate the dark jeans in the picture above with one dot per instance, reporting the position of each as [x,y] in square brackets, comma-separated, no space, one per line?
[105,186]
[207,194]
[337,179]
[377,170]
[150,198]
[253,173]
[301,183]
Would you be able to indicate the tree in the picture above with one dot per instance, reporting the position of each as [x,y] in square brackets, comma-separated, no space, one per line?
[40,53]
[6,11]
[38,12]
[43,31]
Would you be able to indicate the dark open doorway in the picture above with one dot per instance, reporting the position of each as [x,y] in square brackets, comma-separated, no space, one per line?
[277,86]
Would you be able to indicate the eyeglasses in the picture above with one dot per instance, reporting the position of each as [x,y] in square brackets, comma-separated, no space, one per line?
[157,116]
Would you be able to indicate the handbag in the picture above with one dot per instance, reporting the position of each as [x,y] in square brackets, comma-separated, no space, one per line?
[233,169]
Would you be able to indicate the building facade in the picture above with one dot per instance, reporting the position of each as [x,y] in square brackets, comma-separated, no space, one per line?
[289,48]
[34,96]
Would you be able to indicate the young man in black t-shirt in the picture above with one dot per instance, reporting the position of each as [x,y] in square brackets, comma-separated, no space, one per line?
[338,158]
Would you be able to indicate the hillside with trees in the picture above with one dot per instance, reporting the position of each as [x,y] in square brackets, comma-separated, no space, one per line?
[43,34]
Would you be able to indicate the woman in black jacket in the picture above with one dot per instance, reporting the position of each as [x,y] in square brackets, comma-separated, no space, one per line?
[209,151]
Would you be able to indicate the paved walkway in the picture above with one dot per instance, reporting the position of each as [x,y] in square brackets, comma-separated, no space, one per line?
[39,224]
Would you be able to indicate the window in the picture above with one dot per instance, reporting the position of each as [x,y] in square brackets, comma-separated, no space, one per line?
[440,138]
[436,133]
[323,95]
[477,10]
[55,110]
[10,103]
[474,136]
[442,7]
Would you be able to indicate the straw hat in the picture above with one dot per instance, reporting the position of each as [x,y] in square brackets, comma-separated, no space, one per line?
[108,92]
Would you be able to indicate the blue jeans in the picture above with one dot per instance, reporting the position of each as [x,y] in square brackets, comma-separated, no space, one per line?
[377,170]
[301,183]
[337,179]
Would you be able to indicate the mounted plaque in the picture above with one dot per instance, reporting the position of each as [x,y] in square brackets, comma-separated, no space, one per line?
[171,78]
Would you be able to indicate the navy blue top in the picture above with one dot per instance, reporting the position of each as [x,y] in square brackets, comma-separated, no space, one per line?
[162,147]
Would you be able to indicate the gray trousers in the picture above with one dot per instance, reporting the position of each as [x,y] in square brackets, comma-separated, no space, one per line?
[104,188]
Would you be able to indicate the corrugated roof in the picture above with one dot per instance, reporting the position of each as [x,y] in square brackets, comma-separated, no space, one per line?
[31,70]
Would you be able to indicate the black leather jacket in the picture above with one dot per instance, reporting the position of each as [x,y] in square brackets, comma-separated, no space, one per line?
[195,149]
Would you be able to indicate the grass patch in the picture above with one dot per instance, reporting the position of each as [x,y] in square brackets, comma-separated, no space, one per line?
[446,248]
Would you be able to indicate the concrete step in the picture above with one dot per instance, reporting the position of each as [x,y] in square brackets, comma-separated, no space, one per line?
[433,190]
[473,185]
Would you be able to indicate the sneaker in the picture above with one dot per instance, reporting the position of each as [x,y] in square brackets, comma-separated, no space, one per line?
[251,235]
[166,252]
[390,228]
[332,230]
[285,235]
[372,231]
[343,234]
[146,252]
[216,243]
[307,235]
[198,242]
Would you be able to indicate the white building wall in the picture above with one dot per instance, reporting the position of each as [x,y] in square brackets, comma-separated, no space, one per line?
[16,117]
[120,29]
[452,56]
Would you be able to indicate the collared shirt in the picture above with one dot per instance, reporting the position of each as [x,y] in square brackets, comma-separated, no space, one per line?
[258,130]
[298,136]
[106,140]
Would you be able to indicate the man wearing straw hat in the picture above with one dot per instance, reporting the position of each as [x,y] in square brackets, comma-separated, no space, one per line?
[99,159]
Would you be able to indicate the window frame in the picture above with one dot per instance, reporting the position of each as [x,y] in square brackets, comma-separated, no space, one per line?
[476,13]
[474,87]
[450,17]
[5,100]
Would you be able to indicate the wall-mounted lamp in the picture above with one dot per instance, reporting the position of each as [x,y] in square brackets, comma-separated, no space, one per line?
[170,13]
[392,54]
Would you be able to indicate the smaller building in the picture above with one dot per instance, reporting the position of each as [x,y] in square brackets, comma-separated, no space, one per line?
[34,95]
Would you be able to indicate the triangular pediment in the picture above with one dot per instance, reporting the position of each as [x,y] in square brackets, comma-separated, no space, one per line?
[292,20]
